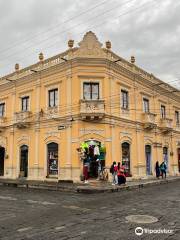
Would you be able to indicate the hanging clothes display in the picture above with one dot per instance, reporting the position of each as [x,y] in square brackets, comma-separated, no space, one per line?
[96,150]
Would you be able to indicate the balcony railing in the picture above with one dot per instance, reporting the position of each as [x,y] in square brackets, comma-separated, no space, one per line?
[2,123]
[92,109]
[166,124]
[52,112]
[149,120]
[22,119]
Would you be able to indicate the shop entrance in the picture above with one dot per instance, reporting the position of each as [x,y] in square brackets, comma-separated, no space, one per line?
[2,154]
[126,158]
[165,156]
[94,152]
[179,158]
[24,161]
[52,161]
[148,159]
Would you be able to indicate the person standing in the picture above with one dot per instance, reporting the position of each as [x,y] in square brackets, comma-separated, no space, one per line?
[163,169]
[113,171]
[157,169]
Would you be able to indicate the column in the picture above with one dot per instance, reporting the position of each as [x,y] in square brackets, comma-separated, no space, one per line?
[35,171]
[68,166]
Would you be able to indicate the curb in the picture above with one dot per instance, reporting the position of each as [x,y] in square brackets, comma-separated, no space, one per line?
[70,187]
[90,190]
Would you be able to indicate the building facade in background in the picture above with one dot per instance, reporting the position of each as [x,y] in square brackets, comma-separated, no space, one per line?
[86,98]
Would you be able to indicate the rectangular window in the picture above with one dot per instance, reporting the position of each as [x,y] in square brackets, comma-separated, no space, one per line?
[91,91]
[124,99]
[177,117]
[163,111]
[146,104]
[2,109]
[53,97]
[25,103]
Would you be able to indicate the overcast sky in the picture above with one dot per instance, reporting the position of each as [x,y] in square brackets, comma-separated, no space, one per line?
[147,29]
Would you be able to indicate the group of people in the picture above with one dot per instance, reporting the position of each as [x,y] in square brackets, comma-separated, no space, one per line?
[117,171]
[161,169]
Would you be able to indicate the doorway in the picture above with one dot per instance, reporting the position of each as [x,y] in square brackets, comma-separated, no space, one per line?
[179,158]
[24,161]
[126,158]
[165,156]
[94,155]
[52,159]
[148,159]
[2,155]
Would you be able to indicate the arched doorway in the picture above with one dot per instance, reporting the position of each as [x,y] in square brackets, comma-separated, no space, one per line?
[178,152]
[52,159]
[24,161]
[126,158]
[94,156]
[148,159]
[165,156]
[2,155]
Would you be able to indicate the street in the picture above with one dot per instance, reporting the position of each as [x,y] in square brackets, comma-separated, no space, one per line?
[40,215]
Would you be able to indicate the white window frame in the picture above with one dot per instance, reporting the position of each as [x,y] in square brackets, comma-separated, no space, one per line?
[161,107]
[91,80]
[28,105]
[55,101]
[122,91]
[145,99]
[4,112]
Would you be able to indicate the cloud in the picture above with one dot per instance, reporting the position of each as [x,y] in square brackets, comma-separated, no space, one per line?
[150,30]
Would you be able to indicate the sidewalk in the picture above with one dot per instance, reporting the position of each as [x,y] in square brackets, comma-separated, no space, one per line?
[93,186]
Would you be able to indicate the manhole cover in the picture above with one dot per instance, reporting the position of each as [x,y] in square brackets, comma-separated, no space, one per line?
[141,219]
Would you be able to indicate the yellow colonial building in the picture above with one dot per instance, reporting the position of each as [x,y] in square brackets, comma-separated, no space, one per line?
[84,104]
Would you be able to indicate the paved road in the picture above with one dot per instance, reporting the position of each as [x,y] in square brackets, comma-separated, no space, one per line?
[45,215]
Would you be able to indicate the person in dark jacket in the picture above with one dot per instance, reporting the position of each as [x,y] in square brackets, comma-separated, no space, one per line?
[163,169]
[157,169]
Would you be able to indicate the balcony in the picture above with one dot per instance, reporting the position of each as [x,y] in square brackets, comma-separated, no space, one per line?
[149,120]
[2,123]
[52,113]
[22,119]
[177,126]
[92,109]
[166,125]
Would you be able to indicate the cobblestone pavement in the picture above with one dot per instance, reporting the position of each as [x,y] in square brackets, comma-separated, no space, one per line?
[45,215]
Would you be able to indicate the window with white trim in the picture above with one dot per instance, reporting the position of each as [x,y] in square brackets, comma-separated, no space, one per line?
[177,117]
[90,91]
[163,111]
[146,105]
[124,99]
[25,103]
[53,97]
[2,109]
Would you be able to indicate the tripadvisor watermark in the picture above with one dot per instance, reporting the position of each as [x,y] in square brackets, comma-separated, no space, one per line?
[139,231]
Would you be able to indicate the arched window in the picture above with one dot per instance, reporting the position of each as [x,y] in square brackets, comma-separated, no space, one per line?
[126,158]
[52,159]
[24,161]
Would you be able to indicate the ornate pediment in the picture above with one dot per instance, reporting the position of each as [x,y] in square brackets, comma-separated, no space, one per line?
[90,46]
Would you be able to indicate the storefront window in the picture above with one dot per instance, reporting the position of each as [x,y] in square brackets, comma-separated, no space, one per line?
[52,159]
